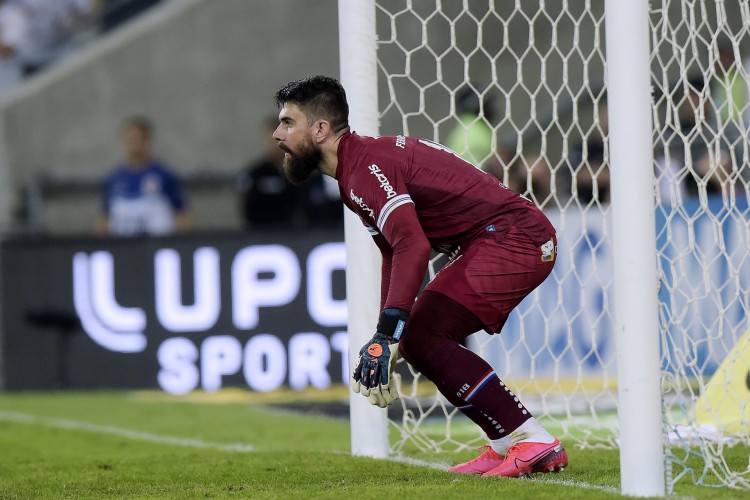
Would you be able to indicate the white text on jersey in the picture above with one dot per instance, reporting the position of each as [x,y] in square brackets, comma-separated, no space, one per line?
[384,182]
[356,199]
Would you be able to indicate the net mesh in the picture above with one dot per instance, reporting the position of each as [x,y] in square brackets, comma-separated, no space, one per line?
[519,89]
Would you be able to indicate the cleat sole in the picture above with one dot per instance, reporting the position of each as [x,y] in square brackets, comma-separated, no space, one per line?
[554,462]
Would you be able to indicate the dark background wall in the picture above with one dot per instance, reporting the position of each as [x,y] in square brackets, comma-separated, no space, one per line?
[43,346]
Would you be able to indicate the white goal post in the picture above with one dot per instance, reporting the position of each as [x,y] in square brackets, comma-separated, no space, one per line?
[627,123]
[359,76]
[634,238]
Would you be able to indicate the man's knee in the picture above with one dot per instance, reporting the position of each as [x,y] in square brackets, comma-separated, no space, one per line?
[436,324]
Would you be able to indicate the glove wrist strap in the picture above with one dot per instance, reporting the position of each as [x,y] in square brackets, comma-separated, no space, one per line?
[392,323]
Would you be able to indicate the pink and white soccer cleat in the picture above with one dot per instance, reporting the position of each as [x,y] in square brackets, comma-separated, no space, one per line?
[525,459]
[488,460]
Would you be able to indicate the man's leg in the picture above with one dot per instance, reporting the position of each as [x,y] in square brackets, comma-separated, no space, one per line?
[436,327]
[432,345]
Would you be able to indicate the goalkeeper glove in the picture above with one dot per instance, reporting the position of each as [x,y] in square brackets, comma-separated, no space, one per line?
[373,375]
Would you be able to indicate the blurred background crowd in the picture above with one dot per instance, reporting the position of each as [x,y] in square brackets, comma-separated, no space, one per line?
[131,117]
[35,33]
[136,182]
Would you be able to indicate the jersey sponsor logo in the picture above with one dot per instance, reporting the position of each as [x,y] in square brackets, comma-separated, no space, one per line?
[548,251]
[385,184]
[401,141]
[356,199]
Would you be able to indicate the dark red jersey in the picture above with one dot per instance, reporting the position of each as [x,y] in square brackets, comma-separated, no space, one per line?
[415,192]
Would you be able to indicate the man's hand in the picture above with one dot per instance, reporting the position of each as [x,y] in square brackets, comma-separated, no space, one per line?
[373,375]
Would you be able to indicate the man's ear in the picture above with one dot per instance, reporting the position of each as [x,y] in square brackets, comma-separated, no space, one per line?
[321,130]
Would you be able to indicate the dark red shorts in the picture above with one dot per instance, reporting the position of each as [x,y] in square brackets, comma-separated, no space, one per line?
[493,273]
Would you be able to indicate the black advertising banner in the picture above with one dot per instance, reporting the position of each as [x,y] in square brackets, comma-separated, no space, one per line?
[256,310]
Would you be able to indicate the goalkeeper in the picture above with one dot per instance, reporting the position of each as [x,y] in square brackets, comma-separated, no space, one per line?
[413,195]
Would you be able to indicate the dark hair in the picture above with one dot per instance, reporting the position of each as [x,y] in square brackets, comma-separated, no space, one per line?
[318,97]
[141,123]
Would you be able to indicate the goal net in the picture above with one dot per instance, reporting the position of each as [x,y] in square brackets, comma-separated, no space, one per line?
[520,89]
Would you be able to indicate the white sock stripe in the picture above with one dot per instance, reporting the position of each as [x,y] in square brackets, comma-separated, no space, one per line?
[481,384]
[389,207]
[59,423]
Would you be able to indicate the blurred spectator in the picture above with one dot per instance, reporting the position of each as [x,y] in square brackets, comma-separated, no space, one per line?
[12,34]
[729,101]
[683,166]
[325,202]
[728,93]
[590,181]
[269,200]
[531,176]
[691,110]
[41,29]
[473,136]
[12,27]
[142,196]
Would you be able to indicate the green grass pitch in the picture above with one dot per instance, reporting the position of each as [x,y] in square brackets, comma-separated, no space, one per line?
[148,445]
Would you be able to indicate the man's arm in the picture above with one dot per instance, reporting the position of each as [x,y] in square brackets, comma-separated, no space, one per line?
[385,273]
[405,260]
[410,256]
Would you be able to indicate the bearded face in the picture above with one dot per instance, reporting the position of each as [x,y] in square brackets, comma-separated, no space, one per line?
[299,165]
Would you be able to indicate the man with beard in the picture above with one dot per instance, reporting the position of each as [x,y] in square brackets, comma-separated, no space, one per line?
[412,195]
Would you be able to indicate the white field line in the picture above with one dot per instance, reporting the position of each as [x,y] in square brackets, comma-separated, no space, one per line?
[58,423]
[578,484]
[551,480]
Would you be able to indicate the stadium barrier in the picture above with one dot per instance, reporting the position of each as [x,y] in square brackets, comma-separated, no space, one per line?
[267,309]
[180,313]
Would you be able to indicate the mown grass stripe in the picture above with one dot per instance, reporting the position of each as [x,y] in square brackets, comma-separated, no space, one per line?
[24,418]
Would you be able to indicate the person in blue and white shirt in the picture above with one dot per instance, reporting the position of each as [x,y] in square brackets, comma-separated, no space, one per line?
[142,196]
